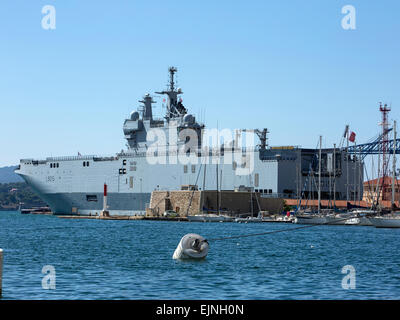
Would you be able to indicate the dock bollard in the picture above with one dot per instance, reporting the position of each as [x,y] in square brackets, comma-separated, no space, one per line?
[1,269]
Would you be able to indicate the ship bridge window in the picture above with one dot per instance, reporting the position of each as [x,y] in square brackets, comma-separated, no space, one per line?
[91,198]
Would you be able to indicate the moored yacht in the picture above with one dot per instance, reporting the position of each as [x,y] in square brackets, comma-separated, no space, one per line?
[364,216]
[210,217]
[388,221]
[310,218]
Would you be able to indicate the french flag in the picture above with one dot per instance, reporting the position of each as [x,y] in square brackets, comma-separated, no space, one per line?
[352,136]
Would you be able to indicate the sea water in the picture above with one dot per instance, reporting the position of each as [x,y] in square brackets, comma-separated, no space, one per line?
[46,257]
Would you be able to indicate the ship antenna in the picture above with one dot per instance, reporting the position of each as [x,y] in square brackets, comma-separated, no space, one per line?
[172,110]
[172,71]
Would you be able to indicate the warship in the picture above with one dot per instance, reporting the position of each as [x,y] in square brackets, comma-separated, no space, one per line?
[157,158]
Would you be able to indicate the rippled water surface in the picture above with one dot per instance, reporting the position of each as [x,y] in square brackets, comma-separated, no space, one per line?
[96,259]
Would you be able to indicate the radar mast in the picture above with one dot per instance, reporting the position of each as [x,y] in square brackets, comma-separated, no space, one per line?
[175,108]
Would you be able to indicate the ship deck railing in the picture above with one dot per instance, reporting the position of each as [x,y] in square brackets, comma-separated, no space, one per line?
[203,152]
[70,158]
[199,153]
[67,158]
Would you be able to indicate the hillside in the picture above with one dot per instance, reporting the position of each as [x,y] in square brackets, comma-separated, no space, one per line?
[11,194]
[7,175]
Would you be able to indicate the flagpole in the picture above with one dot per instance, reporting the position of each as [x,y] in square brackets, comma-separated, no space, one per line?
[319,175]
[355,174]
[334,175]
[347,165]
[394,163]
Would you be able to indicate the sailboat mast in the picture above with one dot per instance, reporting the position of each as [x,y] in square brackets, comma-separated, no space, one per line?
[334,175]
[217,188]
[354,188]
[347,165]
[378,193]
[329,169]
[360,181]
[220,190]
[217,173]
[319,175]
[394,161]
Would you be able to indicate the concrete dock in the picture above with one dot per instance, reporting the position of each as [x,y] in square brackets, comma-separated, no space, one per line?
[273,219]
[125,218]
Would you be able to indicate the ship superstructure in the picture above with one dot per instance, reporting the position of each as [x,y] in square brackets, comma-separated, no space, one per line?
[74,184]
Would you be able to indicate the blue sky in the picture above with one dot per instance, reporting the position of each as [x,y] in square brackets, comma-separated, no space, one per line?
[285,65]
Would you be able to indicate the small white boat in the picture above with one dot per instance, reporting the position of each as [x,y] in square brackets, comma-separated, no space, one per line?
[289,219]
[310,219]
[209,218]
[386,221]
[249,220]
[342,219]
[364,216]
[352,221]
[268,219]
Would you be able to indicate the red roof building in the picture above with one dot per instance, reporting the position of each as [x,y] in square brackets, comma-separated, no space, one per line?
[382,189]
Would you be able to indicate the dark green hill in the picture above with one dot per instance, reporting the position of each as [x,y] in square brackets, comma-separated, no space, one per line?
[11,194]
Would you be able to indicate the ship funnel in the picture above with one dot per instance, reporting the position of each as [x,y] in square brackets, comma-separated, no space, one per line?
[147,111]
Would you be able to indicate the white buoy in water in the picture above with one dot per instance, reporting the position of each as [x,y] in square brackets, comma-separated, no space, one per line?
[191,246]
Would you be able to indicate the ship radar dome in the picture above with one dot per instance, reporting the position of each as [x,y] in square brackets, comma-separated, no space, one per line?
[188,118]
[134,115]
